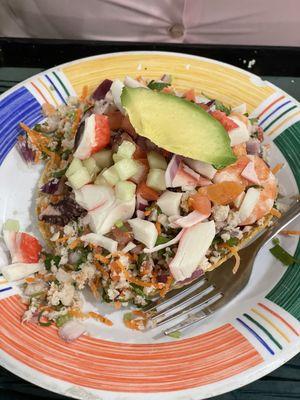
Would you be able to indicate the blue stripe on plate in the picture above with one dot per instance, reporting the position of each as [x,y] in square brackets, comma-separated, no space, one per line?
[256,335]
[274,111]
[5,289]
[57,91]
[19,106]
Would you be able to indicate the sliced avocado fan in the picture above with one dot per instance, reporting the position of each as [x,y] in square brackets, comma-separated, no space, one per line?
[178,125]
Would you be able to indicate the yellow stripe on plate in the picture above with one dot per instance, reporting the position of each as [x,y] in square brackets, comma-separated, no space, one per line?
[277,329]
[216,80]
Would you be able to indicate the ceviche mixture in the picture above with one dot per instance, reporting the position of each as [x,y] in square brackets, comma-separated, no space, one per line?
[124,206]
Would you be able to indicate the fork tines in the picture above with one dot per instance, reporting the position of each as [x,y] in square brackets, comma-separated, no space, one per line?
[182,301]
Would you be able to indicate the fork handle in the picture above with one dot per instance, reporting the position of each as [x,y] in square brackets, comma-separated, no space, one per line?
[292,213]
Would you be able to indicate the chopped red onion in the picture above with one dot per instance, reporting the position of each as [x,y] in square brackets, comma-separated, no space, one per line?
[196,274]
[140,214]
[71,330]
[51,186]
[102,89]
[141,203]
[253,147]
[27,153]
[172,169]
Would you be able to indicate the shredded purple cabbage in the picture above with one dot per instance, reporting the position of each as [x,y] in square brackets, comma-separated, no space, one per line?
[102,89]
[64,211]
[51,187]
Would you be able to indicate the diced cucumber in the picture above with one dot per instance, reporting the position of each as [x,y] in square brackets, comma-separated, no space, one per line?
[125,190]
[12,225]
[103,158]
[75,165]
[156,160]
[126,149]
[126,168]
[111,175]
[156,179]
[116,157]
[91,166]
[80,178]
[100,180]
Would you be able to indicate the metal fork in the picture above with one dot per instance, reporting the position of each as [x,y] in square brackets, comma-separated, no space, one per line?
[213,290]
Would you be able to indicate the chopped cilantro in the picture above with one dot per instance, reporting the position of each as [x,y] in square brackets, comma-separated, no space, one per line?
[141,258]
[175,335]
[233,241]
[62,319]
[157,85]
[37,127]
[162,240]
[60,173]
[283,256]
[137,289]
[217,240]
[253,121]
[275,241]
[119,224]
[221,107]
[128,316]
[49,258]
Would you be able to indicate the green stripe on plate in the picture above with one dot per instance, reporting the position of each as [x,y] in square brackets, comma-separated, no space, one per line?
[279,116]
[287,291]
[265,330]
[61,82]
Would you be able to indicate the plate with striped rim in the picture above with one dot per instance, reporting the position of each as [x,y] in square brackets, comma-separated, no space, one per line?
[248,338]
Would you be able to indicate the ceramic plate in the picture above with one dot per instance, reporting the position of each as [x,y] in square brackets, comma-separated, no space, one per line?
[254,334]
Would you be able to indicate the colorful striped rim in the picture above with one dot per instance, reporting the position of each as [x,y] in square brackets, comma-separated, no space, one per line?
[266,330]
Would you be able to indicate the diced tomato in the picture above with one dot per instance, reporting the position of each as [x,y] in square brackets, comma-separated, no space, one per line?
[200,203]
[260,134]
[29,248]
[204,106]
[102,133]
[139,153]
[224,120]
[147,193]
[190,95]
[115,120]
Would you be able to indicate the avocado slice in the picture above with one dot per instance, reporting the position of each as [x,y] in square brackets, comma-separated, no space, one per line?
[178,125]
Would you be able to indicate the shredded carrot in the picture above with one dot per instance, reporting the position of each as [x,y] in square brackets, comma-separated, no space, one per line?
[101,258]
[117,305]
[30,280]
[289,232]
[37,139]
[84,93]
[147,212]
[75,244]
[237,259]
[101,269]
[277,168]
[79,314]
[165,290]
[48,109]
[50,277]
[76,122]
[100,318]
[275,213]
[190,95]
[62,239]
[234,252]
[94,285]
[158,227]
[139,313]
[37,157]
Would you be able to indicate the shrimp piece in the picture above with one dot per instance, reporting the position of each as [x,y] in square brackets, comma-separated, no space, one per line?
[268,193]
[233,172]
[267,181]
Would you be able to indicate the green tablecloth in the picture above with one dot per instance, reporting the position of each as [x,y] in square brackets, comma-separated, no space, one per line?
[283,384]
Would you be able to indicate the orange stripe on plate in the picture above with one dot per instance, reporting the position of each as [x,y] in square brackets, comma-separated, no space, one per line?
[39,91]
[270,105]
[279,317]
[101,364]
[48,90]
[283,122]
[277,329]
